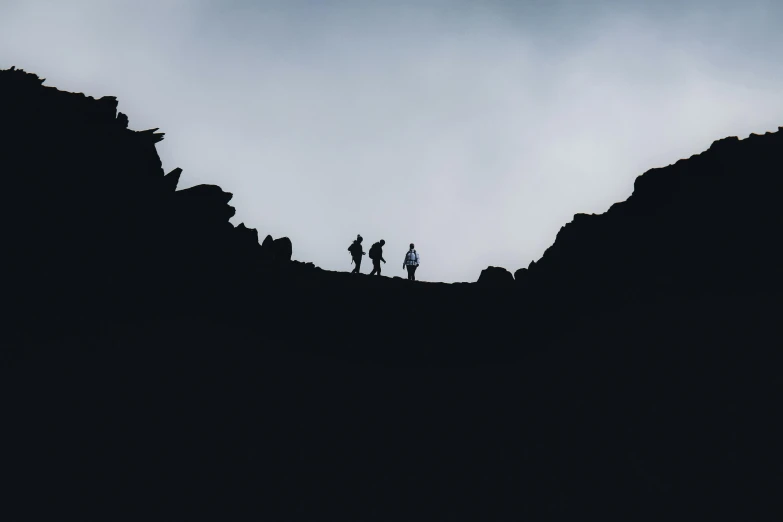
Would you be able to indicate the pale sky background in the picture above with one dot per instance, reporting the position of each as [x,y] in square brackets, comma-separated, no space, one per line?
[474,129]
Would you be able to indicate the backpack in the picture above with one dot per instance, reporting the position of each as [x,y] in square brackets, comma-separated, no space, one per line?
[374,254]
[354,248]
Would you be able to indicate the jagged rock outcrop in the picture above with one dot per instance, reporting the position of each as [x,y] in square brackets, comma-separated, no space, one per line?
[704,224]
[249,235]
[282,249]
[171,180]
[520,277]
[267,248]
[94,219]
[495,277]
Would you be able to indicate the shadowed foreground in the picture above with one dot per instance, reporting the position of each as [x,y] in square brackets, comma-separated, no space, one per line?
[162,364]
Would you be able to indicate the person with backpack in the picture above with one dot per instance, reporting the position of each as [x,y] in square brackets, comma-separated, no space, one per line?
[376,254]
[356,253]
[411,263]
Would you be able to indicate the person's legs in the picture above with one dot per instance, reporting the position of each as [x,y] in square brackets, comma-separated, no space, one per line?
[376,267]
[412,272]
[358,262]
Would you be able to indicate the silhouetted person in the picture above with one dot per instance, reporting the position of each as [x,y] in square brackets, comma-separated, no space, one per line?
[376,254]
[411,263]
[356,253]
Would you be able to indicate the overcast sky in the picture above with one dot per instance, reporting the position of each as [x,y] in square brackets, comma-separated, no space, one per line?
[473,129]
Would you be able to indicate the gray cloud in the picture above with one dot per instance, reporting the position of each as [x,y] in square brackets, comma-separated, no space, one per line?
[475,130]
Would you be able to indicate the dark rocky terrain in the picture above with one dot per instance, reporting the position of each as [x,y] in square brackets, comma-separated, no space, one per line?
[159,363]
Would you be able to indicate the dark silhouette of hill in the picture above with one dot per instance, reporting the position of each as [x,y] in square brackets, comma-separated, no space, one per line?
[160,363]
[708,224]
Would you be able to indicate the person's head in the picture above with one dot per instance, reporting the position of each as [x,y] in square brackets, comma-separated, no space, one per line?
[383,242]
[411,246]
[359,238]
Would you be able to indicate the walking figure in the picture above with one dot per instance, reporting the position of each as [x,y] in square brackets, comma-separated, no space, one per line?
[376,254]
[411,263]
[356,253]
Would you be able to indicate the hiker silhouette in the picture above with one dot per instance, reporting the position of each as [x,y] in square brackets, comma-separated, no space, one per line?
[376,254]
[356,253]
[411,262]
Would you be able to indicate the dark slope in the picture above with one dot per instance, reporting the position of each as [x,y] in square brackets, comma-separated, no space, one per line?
[162,364]
[708,224]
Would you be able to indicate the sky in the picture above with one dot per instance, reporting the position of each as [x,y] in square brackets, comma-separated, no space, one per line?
[475,130]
